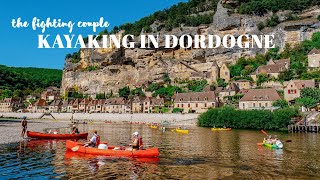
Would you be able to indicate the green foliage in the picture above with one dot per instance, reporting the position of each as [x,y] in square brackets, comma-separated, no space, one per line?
[318,17]
[177,110]
[221,83]
[153,87]
[196,86]
[161,110]
[101,96]
[310,97]
[92,68]
[21,82]
[124,92]
[280,103]
[244,66]
[260,25]
[167,92]
[263,6]
[136,92]
[273,21]
[166,78]
[247,119]
[233,99]
[75,57]
[261,79]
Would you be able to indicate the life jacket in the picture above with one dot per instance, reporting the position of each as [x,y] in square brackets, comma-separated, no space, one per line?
[97,140]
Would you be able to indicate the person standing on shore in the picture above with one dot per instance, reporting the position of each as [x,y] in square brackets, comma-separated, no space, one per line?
[24,125]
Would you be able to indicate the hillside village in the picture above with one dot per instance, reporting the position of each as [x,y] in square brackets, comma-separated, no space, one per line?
[240,93]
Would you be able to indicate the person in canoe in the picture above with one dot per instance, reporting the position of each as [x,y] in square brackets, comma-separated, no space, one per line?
[136,142]
[24,125]
[75,130]
[94,141]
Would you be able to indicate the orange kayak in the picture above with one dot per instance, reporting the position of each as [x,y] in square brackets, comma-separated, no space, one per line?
[78,147]
[56,136]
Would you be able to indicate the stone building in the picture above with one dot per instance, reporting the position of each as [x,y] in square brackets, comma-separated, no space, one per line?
[258,99]
[314,58]
[272,69]
[294,87]
[40,106]
[243,84]
[55,106]
[196,102]
[224,73]
[10,104]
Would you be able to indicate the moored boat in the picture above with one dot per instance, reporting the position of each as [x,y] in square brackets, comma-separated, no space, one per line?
[184,131]
[221,129]
[39,135]
[154,127]
[111,151]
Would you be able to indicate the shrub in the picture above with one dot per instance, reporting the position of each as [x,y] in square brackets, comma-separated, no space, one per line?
[177,110]
[260,25]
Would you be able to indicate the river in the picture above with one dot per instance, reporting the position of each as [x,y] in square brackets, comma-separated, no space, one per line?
[201,154]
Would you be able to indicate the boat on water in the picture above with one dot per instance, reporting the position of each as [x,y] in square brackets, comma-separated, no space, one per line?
[221,129]
[277,145]
[39,135]
[115,151]
[154,127]
[183,131]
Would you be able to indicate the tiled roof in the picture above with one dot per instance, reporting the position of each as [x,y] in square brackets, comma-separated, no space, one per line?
[301,84]
[314,51]
[41,102]
[115,101]
[195,96]
[269,94]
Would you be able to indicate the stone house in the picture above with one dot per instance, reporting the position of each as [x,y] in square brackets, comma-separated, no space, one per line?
[83,105]
[75,105]
[70,106]
[259,99]
[197,102]
[100,105]
[314,58]
[92,105]
[10,104]
[231,90]
[243,84]
[40,106]
[115,105]
[294,87]
[272,69]
[64,106]
[137,104]
[55,106]
[150,104]
[224,73]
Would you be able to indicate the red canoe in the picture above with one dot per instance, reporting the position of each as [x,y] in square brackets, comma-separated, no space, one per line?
[78,147]
[56,136]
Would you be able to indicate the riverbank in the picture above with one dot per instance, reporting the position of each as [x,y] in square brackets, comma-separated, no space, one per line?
[10,129]
[173,118]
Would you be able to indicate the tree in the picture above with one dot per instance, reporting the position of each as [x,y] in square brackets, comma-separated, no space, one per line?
[153,87]
[280,103]
[166,78]
[261,79]
[124,92]
[260,25]
[306,102]
[221,83]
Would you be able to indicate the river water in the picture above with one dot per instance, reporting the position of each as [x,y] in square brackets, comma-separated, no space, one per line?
[201,154]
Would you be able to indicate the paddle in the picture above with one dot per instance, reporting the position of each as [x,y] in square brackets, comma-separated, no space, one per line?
[289,140]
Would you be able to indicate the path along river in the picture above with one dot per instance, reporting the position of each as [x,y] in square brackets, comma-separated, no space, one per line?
[201,154]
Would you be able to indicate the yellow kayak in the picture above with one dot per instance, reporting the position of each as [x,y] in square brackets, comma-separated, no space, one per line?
[221,129]
[184,131]
[154,127]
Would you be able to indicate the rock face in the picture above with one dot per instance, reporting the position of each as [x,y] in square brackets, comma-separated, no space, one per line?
[105,70]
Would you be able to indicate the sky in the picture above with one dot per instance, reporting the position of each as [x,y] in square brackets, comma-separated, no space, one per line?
[19,46]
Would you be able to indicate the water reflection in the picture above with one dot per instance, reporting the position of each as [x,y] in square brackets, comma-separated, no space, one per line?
[201,154]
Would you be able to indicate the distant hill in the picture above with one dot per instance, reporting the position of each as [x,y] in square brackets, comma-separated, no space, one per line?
[19,81]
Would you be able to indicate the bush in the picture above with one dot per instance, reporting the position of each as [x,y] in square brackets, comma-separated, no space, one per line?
[177,110]
[280,103]
[247,119]
[260,25]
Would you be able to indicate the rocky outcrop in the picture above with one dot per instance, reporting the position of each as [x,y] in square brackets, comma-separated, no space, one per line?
[105,70]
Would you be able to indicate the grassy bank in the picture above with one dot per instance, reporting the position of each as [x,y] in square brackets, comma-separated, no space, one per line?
[247,119]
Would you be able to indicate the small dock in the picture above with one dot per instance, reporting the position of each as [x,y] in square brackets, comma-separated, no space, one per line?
[303,128]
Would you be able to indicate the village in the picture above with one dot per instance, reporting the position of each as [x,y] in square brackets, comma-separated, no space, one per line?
[241,93]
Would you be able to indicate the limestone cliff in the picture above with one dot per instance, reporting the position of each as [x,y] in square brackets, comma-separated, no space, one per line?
[113,68]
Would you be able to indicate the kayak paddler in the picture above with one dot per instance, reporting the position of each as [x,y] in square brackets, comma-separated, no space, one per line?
[94,141]
[136,142]
[75,130]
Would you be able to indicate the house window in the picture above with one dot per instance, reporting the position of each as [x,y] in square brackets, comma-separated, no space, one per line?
[181,105]
[180,99]
[196,104]
[266,105]
[259,104]
[188,104]
[205,98]
[243,105]
[177,105]
[226,73]
[205,104]
[254,104]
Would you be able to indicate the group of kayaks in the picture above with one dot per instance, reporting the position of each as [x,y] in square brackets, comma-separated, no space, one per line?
[79,147]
